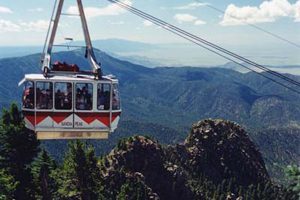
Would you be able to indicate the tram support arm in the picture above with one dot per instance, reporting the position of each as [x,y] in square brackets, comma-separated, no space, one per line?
[46,62]
[90,52]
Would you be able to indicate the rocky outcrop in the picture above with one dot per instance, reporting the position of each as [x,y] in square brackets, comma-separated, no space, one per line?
[217,150]
[220,149]
[144,156]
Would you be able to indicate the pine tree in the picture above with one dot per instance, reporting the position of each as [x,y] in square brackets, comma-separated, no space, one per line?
[132,189]
[7,185]
[79,176]
[293,176]
[18,148]
[42,169]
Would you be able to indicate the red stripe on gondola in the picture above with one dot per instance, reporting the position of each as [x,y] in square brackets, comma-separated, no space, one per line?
[105,118]
[102,117]
[40,116]
[30,119]
[87,117]
[29,116]
[59,117]
[115,115]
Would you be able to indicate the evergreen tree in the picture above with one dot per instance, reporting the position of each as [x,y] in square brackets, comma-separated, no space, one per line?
[293,176]
[18,147]
[79,176]
[42,169]
[133,189]
[7,185]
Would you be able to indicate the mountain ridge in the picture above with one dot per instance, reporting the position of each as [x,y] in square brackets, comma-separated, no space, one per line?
[150,54]
[216,154]
[171,98]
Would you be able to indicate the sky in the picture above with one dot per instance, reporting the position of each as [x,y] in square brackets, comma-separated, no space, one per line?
[25,23]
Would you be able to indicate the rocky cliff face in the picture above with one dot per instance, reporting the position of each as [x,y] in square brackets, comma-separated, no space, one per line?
[221,149]
[146,157]
[217,150]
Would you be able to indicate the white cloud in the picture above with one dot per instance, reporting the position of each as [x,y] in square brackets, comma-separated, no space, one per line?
[199,22]
[180,18]
[117,23]
[267,11]
[297,11]
[36,10]
[110,10]
[147,23]
[8,26]
[183,18]
[32,26]
[190,6]
[36,26]
[5,10]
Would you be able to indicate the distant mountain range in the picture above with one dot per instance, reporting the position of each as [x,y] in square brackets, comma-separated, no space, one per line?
[150,55]
[169,99]
[178,94]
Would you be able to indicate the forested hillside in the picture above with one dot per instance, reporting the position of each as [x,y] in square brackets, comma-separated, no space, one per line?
[216,161]
[164,102]
[179,95]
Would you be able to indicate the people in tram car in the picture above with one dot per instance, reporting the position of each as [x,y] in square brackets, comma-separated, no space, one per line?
[103,101]
[59,100]
[29,98]
[43,99]
[116,98]
[63,101]
[88,99]
[38,98]
[80,100]
[100,100]
[83,99]
[106,100]
[48,99]
[67,101]
[115,101]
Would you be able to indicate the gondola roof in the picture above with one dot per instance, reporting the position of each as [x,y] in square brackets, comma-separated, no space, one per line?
[75,77]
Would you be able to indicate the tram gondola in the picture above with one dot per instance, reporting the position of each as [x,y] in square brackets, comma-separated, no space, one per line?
[64,102]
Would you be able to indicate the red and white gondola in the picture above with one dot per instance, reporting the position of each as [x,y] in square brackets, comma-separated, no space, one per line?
[66,103]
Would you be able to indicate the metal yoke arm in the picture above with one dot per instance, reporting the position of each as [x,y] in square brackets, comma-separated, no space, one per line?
[89,48]
[55,25]
[46,60]
[90,52]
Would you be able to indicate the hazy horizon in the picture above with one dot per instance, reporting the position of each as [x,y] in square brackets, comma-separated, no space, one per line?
[25,24]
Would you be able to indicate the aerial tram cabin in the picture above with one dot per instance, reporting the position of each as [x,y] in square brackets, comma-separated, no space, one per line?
[71,107]
[65,103]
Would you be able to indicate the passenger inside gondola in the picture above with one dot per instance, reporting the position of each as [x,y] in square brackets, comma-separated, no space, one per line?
[116,98]
[28,101]
[58,100]
[115,102]
[63,96]
[44,95]
[103,100]
[68,97]
[84,95]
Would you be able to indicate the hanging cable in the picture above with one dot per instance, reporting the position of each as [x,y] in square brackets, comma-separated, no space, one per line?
[192,37]
[163,23]
[249,24]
